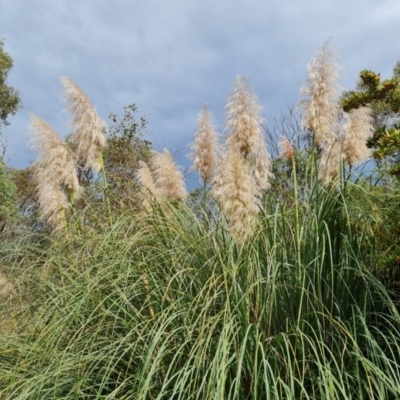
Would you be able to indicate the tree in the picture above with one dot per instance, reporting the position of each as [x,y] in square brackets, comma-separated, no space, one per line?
[7,197]
[383,97]
[10,101]
[124,150]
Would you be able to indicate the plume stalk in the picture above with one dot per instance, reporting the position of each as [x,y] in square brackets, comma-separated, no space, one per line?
[88,136]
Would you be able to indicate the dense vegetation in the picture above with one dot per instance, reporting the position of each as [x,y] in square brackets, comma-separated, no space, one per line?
[275,279]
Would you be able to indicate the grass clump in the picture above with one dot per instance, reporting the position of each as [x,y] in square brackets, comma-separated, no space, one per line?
[163,306]
[269,286]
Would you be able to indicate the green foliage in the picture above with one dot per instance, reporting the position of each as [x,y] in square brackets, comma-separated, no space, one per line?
[169,306]
[125,148]
[387,144]
[383,96]
[10,100]
[385,238]
[289,126]
[7,197]
[25,197]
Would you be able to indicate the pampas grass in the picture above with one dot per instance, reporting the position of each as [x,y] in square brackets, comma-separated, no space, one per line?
[286,150]
[148,188]
[244,170]
[330,161]
[168,179]
[358,129]
[321,95]
[54,173]
[243,118]
[53,201]
[205,147]
[348,146]
[88,136]
[53,156]
[274,301]
[228,322]
[237,193]
[244,129]
[323,117]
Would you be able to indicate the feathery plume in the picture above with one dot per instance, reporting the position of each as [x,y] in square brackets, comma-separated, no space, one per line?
[358,129]
[260,167]
[236,192]
[53,156]
[88,136]
[287,149]
[330,160]
[349,146]
[54,173]
[168,179]
[148,188]
[143,175]
[205,147]
[52,200]
[245,134]
[243,120]
[321,94]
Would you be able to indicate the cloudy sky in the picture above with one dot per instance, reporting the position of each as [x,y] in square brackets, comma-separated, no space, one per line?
[172,56]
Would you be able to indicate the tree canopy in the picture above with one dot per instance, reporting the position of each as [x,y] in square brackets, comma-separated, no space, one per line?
[10,100]
[383,97]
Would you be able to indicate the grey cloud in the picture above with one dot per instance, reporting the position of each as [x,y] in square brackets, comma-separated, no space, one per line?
[170,57]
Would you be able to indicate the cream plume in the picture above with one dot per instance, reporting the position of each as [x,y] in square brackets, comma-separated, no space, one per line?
[260,167]
[88,136]
[243,118]
[53,156]
[235,190]
[205,147]
[54,172]
[168,179]
[358,129]
[52,200]
[148,188]
[245,134]
[321,94]
[349,146]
